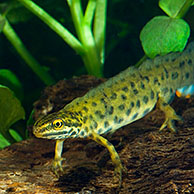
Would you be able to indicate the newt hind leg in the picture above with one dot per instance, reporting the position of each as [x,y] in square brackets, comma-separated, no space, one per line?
[170,116]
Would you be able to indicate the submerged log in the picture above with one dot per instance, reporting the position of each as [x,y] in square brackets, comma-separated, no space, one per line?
[155,162]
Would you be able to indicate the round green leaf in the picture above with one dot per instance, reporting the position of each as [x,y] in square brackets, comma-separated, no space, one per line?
[162,35]
[11,109]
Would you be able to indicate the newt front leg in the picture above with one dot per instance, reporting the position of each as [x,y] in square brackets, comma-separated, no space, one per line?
[113,154]
[57,162]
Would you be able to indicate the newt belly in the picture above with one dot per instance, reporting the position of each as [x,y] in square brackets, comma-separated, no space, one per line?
[128,96]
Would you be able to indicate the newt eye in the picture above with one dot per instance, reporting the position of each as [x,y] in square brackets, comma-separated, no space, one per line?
[58,124]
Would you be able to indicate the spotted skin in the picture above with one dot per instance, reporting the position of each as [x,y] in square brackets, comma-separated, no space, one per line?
[121,100]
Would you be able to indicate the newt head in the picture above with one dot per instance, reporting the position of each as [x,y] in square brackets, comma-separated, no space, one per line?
[58,125]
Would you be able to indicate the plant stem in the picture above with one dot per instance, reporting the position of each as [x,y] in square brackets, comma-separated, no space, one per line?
[82,25]
[89,13]
[54,25]
[28,58]
[87,49]
[77,16]
[100,27]
[184,9]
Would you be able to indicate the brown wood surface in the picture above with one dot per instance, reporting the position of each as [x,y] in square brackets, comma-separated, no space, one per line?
[154,162]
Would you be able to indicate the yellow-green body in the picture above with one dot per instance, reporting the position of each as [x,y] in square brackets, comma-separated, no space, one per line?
[119,101]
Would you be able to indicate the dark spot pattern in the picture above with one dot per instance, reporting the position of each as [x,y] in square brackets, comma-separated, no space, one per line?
[86,129]
[99,113]
[91,135]
[121,107]
[80,113]
[106,124]
[111,110]
[157,65]
[109,129]
[173,59]
[94,104]
[100,131]
[166,72]
[190,62]
[132,84]
[102,116]
[85,119]
[181,64]
[134,116]
[145,99]
[132,104]
[123,97]
[152,95]
[146,111]
[73,133]
[120,120]
[113,96]
[162,76]
[85,109]
[82,133]
[135,91]
[142,85]
[146,78]
[174,75]
[187,75]
[70,130]
[125,89]
[138,104]
[115,119]
[128,112]
[95,124]
[156,81]
[103,100]
[105,95]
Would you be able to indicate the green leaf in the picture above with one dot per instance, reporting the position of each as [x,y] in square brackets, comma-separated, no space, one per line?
[162,35]
[171,7]
[175,8]
[11,111]
[10,80]
[15,135]
[3,142]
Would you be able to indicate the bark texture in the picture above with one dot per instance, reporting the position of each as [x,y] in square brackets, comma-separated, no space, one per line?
[154,162]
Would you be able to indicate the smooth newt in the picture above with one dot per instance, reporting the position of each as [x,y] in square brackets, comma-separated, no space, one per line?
[128,96]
